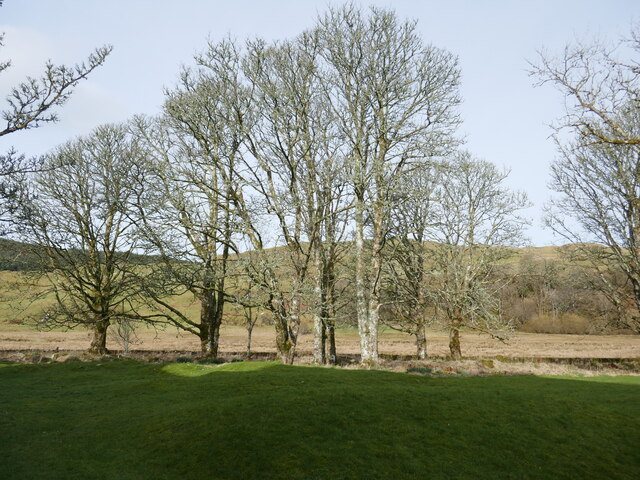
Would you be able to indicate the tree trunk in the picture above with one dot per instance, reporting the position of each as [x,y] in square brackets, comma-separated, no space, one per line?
[213,341]
[333,355]
[329,314]
[636,290]
[319,332]
[378,215]
[203,335]
[249,333]
[454,343]
[324,340]
[372,338]
[421,343]
[374,299]
[318,339]
[285,340]
[250,323]
[283,344]
[210,319]
[319,354]
[361,302]
[293,324]
[99,341]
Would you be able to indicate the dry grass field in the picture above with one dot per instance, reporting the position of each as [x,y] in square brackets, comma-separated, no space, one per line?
[233,339]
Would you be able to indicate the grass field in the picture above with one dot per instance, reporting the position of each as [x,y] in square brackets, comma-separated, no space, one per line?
[130,420]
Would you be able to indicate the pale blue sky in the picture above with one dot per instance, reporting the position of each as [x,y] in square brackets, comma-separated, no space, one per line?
[505,118]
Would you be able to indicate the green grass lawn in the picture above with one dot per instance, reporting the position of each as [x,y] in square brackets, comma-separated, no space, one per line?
[129,420]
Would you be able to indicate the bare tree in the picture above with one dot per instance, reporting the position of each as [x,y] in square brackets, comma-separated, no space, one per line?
[599,83]
[216,111]
[125,333]
[408,306]
[248,297]
[283,143]
[30,104]
[394,100]
[250,320]
[597,173]
[293,103]
[78,215]
[477,223]
[329,254]
[296,174]
[14,167]
[194,151]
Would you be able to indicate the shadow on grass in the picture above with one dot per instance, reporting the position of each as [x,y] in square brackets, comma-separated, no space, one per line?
[127,419]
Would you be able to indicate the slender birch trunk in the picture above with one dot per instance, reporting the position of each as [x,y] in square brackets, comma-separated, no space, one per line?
[421,342]
[361,300]
[319,354]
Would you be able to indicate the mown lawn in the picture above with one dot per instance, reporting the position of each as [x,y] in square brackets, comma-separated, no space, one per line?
[129,420]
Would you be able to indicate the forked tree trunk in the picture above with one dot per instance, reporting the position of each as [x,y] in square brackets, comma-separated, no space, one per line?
[99,341]
[209,340]
[210,320]
[285,341]
[454,343]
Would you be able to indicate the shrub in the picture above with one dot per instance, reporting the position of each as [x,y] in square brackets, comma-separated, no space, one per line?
[420,370]
[210,361]
[567,323]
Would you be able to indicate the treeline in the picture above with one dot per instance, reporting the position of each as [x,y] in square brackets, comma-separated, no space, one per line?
[18,257]
[319,177]
[557,294]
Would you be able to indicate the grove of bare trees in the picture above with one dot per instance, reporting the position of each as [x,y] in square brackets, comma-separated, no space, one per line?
[320,180]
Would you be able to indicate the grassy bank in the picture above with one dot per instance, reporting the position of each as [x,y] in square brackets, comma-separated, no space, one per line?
[129,420]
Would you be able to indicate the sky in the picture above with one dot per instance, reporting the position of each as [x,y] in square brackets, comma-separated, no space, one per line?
[505,118]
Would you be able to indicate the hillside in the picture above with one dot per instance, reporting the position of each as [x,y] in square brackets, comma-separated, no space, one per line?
[23,257]
[18,256]
[545,297]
